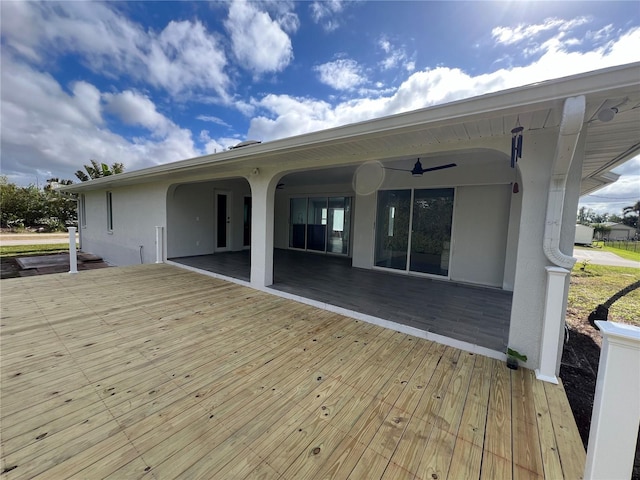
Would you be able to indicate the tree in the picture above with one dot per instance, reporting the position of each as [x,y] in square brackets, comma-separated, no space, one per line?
[628,217]
[28,207]
[98,170]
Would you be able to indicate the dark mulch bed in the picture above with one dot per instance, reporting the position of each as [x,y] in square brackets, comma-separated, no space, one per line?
[579,370]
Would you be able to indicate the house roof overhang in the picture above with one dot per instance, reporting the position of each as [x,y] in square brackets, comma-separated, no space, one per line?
[537,107]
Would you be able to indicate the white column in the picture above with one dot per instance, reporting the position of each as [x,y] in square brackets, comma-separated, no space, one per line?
[616,408]
[262,217]
[73,256]
[552,324]
[159,244]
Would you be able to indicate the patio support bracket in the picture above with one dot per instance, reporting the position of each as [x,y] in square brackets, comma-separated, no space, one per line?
[616,406]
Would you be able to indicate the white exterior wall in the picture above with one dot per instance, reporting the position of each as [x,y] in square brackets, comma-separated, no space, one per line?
[530,276]
[481,225]
[191,216]
[137,210]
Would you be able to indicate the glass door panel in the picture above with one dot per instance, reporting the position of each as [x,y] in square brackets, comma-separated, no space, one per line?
[298,223]
[431,231]
[392,228]
[317,224]
[338,225]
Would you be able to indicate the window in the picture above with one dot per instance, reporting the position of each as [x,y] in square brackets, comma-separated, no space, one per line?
[322,224]
[109,212]
[413,230]
[82,213]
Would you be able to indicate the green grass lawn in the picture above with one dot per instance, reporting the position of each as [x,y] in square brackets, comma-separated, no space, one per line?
[594,285]
[28,250]
[621,252]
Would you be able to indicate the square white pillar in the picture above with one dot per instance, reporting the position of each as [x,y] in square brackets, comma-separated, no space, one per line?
[262,218]
[552,324]
[616,407]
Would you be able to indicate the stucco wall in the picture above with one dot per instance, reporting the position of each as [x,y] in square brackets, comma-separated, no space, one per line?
[530,276]
[482,214]
[481,221]
[191,216]
[136,212]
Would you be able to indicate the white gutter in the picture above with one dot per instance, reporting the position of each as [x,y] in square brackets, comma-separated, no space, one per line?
[570,127]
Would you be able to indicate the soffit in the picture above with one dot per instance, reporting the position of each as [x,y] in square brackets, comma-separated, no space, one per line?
[536,108]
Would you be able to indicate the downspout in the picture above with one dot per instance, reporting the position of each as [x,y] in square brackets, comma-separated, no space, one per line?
[570,127]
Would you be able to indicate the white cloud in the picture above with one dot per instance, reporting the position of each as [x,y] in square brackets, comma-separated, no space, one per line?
[212,119]
[327,13]
[47,131]
[282,116]
[341,74]
[522,32]
[180,58]
[394,56]
[137,109]
[259,43]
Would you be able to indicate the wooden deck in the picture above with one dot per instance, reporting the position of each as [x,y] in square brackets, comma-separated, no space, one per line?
[157,372]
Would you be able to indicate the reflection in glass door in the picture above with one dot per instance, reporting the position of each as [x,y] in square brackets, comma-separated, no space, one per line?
[317,224]
[431,231]
[392,228]
[321,224]
[339,225]
[414,234]
[297,223]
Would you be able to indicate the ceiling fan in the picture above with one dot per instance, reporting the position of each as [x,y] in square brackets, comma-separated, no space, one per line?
[417,169]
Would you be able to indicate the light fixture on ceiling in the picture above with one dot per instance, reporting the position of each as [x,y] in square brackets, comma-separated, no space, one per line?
[607,114]
[417,169]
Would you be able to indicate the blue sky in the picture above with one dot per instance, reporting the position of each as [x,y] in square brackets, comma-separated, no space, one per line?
[146,83]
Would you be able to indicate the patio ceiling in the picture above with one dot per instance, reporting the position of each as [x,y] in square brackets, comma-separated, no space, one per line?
[537,107]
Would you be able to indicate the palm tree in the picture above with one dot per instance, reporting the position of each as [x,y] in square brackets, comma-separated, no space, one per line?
[635,208]
[632,220]
[98,170]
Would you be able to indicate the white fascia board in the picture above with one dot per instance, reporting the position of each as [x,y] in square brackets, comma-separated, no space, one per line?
[549,92]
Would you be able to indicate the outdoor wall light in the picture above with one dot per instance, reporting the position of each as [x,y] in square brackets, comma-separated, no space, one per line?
[607,114]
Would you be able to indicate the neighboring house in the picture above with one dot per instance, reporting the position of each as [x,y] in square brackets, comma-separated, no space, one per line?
[617,231]
[339,192]
[584,235]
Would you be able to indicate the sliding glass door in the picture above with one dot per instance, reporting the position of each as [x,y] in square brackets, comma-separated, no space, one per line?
[413,230]
[320,224]
[392,228]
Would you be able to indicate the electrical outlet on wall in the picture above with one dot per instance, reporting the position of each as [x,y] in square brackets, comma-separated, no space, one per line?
[197,243]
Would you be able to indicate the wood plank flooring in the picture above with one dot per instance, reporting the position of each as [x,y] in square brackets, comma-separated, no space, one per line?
[157,372]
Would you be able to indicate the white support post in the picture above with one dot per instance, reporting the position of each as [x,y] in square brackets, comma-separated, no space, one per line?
[616,407]
[552,324]
[159,244]
[73,255]
[262,218]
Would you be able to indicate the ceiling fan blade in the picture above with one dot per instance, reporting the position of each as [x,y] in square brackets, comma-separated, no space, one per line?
[440,167]
[397,169]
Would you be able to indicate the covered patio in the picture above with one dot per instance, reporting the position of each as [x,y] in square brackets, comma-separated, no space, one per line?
[154,371]
[476,315]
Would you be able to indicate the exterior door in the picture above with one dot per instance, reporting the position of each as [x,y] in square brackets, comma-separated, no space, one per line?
[247,222]
[223,221]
